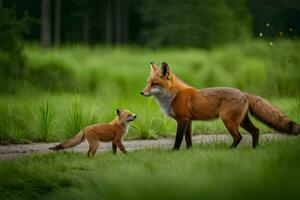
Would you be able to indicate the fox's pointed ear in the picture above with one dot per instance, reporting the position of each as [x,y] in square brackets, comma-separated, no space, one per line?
[165,70]
[153,67]
[118,112]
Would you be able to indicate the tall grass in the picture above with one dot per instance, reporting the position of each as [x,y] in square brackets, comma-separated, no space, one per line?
[106,78]
[145,126]
[66,115]
[5,125]
[13,125]
[297,115]
[46,122]
[254,66]
[75,119]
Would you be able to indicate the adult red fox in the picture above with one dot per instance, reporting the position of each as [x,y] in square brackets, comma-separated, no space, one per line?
[185,103]
[102,132]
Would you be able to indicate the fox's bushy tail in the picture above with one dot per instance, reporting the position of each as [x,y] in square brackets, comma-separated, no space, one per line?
[70,143]
[271,116]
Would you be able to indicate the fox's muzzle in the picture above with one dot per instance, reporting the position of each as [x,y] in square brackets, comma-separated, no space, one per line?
[132,118]
[145,94]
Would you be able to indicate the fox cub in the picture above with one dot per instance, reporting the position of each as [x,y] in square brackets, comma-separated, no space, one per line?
[102,132]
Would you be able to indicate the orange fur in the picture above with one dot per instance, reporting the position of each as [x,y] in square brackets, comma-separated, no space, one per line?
[185,104]
[102,132]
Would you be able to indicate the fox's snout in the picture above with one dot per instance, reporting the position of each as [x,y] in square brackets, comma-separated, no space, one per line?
[131,118]
[134,117]
[147,91]
[145,94]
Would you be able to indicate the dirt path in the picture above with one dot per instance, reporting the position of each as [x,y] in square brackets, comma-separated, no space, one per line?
[15,151]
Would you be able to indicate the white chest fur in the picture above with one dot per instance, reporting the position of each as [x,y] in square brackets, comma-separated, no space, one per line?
[126,129]
[165,102]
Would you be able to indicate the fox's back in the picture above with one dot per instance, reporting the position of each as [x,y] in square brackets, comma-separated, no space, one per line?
[206,103]
[103,132]
[222,93]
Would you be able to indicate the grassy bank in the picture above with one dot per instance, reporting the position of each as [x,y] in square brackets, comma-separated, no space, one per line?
[204,172]
[57,117]
[68,88]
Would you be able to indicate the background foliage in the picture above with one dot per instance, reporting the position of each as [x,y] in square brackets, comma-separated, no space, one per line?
[200,23]
[67,64]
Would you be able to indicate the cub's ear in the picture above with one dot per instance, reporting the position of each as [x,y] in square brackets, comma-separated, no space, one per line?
[165,70]
[153,67]
[118,112]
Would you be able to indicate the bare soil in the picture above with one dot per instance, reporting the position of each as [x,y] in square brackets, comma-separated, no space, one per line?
[8,152]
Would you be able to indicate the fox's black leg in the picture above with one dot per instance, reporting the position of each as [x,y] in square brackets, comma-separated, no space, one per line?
[114,147]
[181,129]
[248,126]
[188,135]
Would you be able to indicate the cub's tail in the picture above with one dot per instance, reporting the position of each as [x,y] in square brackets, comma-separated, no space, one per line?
[271,116]
[72,142]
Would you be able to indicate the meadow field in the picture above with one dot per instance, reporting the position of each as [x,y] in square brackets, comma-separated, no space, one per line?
[65,65]
[67,88]
[211,171]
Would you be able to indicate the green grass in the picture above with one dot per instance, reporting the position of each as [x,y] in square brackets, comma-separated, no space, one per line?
[254,66]
[67,115]
[85,85]
[75,120]
[45,121]
[205,172]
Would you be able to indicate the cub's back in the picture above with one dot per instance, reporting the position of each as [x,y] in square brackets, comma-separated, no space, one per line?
[103,132]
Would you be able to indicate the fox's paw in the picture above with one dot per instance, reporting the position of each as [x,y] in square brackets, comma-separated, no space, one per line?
[175,149]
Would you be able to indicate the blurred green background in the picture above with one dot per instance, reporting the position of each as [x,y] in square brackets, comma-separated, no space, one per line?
[66,64]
